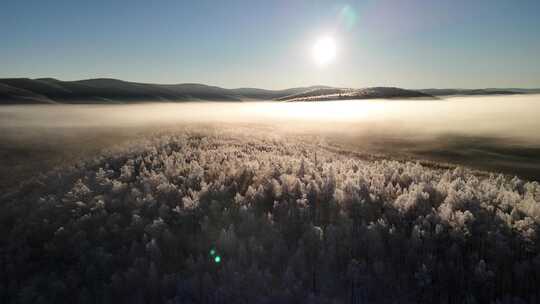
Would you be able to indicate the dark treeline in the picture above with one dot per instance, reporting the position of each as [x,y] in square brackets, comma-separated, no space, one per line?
[290,223]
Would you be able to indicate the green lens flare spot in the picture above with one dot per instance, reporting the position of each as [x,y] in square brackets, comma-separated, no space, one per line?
[212,252]
[217,259]
[348,16]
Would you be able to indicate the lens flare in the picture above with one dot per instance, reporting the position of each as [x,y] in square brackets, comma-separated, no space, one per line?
[348,17]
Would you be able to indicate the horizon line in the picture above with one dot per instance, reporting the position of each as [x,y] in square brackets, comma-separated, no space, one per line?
[281,89]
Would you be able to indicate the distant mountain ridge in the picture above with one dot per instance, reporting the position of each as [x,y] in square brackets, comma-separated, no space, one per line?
[107,90]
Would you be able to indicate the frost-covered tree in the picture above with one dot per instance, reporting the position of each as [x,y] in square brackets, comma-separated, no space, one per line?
[221,217]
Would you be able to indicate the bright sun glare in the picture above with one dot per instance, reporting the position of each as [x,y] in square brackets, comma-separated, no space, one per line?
[324,51]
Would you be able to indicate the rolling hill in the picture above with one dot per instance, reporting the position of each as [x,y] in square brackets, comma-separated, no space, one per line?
[106,90]
[111,91]
[103,90]
[473,92]
[365,93]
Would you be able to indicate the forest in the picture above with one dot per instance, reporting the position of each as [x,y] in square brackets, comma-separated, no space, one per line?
[218,216]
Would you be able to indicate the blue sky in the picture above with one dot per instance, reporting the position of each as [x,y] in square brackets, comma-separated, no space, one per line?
[412,44]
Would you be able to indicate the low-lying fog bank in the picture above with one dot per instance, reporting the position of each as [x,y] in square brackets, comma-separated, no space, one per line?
[513,117]
[496,133]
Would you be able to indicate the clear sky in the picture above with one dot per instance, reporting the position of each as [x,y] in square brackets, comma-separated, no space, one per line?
[268,44]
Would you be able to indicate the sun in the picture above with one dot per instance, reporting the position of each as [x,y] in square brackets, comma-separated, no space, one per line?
[324,51]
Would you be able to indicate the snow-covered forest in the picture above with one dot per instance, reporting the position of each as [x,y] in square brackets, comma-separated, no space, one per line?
[223,217]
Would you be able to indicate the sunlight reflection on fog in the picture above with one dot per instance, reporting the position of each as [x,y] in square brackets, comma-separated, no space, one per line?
[503,116]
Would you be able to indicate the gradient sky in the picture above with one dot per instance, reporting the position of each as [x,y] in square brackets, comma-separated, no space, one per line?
[411,44]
